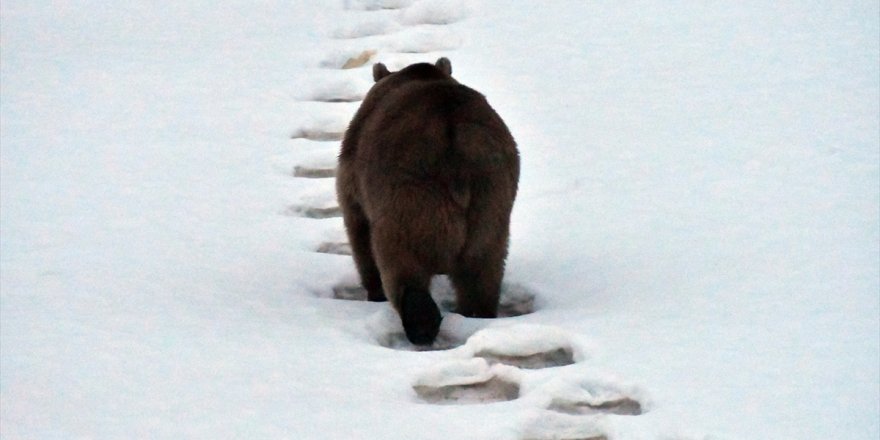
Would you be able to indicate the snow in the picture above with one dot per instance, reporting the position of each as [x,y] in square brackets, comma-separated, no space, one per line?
[366,28]
[464,372]
[434,12]
[519,340]
[337,90]
[697,227]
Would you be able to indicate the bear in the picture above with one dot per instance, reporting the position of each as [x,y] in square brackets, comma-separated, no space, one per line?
[426,180]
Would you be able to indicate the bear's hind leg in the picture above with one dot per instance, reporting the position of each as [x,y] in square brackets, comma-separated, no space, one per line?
[407,287]
[410,295]
[478,287]
[358,228]
[419,315]
[406,277]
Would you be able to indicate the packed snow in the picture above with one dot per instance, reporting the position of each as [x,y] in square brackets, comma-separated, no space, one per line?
[695,248]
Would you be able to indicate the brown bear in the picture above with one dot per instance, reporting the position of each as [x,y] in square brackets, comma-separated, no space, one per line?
[427,177]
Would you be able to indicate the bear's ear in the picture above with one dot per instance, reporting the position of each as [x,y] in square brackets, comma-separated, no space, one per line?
[444,65]
[379,71]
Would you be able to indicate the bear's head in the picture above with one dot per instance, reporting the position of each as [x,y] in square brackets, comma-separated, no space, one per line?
[442,69]
[386,83]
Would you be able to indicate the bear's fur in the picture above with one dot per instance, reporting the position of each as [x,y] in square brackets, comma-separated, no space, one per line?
[426,181]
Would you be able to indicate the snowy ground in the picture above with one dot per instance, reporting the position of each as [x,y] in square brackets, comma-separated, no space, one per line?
[695,248]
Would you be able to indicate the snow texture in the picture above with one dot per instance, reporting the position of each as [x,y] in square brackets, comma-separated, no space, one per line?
[471,390]
[366,28]
[336,90]
[464,372]
[695,247]
[425,40]
[373,5]
[525,345]
[437,12]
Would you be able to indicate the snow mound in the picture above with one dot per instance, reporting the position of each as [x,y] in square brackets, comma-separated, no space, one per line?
[317,202]
[366,28]
[523,345]
[346,58]
[321,128]
[456,372]
[467,381]
[375,5]
[553,426]
[434,12]
[425,40]
[336,90]
[588,396]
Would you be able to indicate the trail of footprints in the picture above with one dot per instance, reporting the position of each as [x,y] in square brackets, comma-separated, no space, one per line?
[396,32]
[493,364]
[487,365]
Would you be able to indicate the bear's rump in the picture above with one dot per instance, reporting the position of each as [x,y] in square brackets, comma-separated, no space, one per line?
[419,223]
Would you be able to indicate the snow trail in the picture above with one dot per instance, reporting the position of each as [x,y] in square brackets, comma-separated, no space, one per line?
[695,240]
[499,357]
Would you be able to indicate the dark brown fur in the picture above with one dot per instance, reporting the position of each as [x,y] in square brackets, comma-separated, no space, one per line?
[427,178]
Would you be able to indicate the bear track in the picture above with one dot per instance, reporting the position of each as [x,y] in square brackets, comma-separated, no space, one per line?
[496,375]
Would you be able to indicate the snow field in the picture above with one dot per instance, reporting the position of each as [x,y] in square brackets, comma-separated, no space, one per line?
[722,162]
[694,250]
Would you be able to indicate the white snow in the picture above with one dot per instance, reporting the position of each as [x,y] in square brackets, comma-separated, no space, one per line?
[519,340]
[434,12]
[335,90]
[462,372]
[366,28]
[698,220]
[562,426]
[423,40]
[374,5]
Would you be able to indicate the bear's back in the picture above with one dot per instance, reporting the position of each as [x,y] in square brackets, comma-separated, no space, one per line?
[414,126]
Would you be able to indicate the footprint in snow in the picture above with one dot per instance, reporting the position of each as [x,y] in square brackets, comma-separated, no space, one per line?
[387,331]
[551,426]
[376,5]
[500,360]
[349,292]
[516,299]
[310,172]
[331,128]
[337,248]
[315,212]
[335,90]
[456,330]
[317,164]
[317,134]
[526,346]
[467,381]
[591,396]
[577,404]
[495,368]
[317,201]
[366,28]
